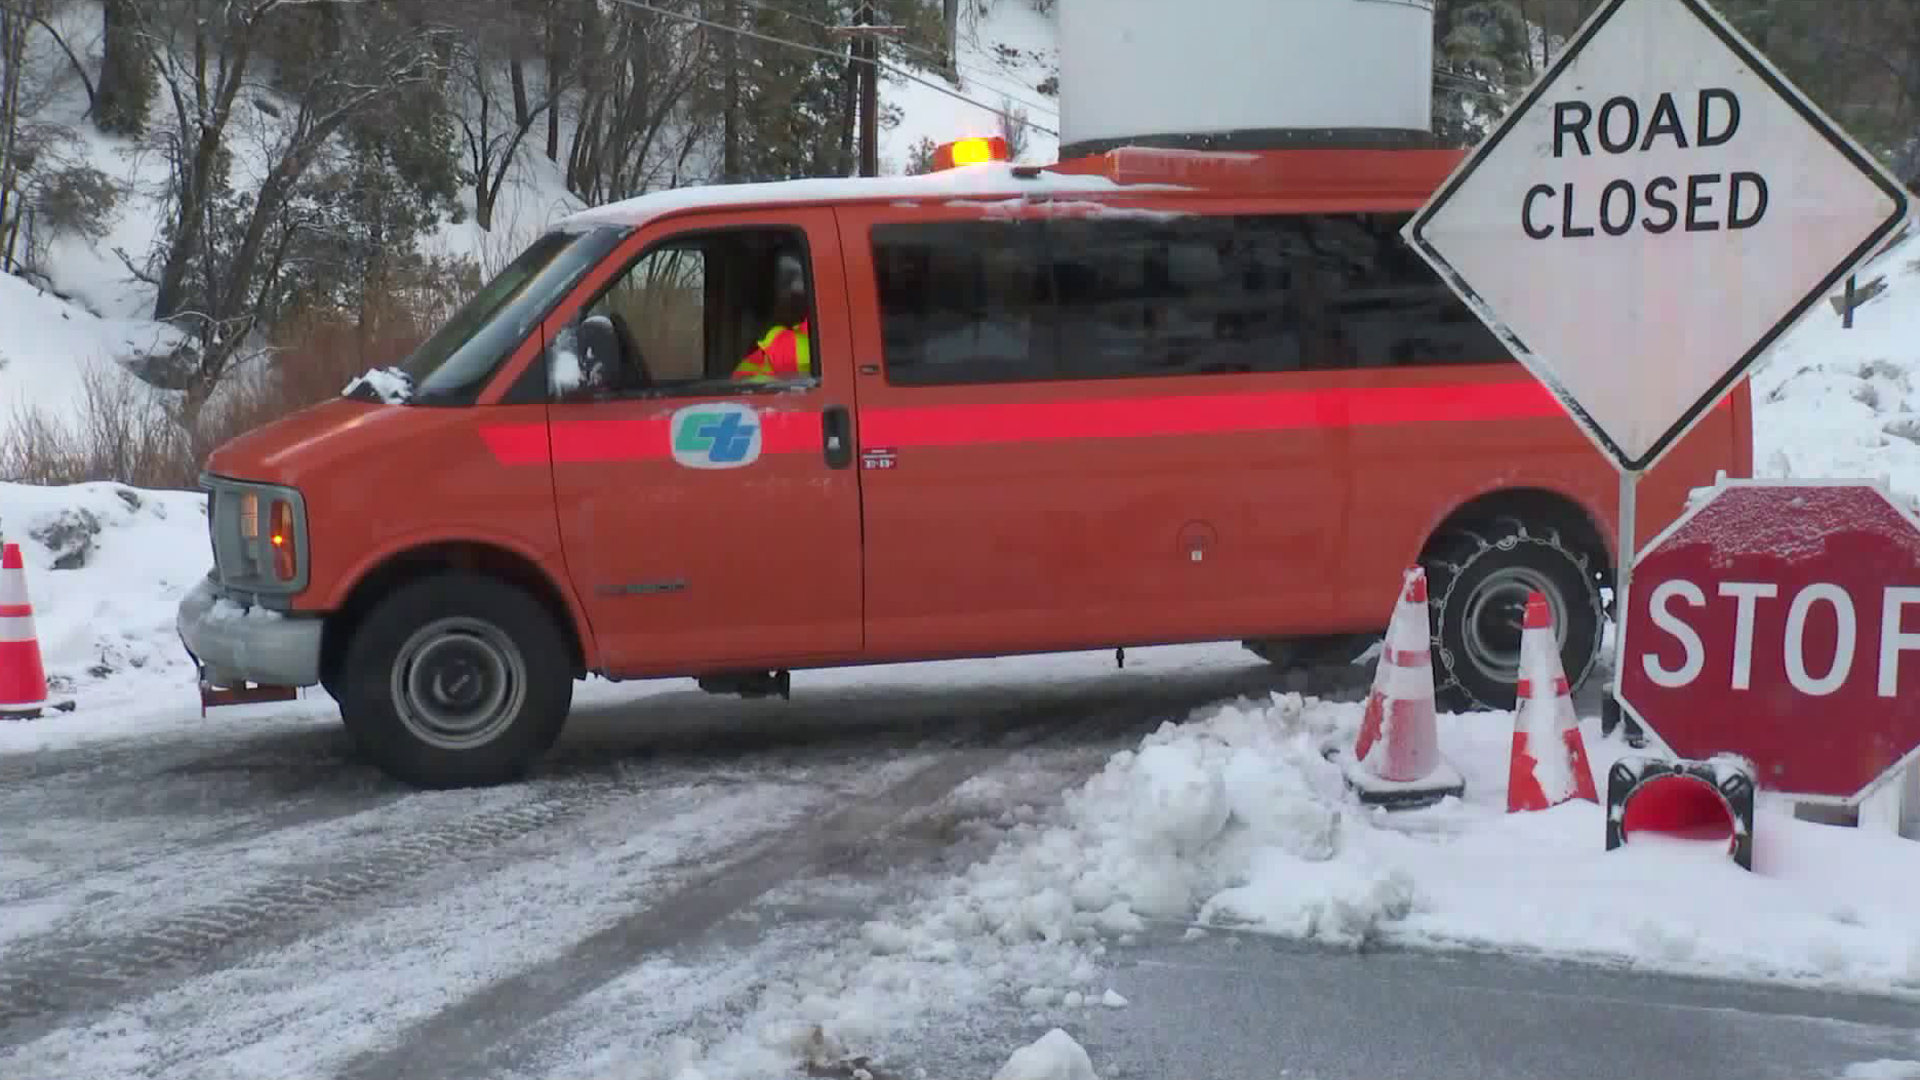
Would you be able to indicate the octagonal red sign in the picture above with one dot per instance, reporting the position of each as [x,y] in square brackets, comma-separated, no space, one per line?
[1782,621]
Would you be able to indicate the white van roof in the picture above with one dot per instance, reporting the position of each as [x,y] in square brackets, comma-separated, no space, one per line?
[974,182]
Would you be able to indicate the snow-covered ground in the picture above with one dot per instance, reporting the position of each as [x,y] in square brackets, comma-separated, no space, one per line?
[1845,403]
[1004,55]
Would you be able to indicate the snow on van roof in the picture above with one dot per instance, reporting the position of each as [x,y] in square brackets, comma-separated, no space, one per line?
[990,180]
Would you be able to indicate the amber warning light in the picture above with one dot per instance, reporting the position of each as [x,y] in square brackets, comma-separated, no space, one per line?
[285,558]
[970,152]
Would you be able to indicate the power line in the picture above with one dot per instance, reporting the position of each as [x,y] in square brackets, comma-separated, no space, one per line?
[818,51]
[763,5]
[921,50]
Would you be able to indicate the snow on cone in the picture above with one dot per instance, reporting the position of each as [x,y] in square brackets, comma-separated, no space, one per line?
[1396,761]
[23,678]
[1548,765]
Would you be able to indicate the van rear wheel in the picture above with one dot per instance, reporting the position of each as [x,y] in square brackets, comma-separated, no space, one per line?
[1478,579]
[455,681]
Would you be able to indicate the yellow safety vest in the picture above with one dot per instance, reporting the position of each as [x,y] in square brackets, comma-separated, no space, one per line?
[784,353]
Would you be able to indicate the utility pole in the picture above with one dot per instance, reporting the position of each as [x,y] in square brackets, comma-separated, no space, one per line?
[869,97]
[730,93]
[951,12]
[866,47]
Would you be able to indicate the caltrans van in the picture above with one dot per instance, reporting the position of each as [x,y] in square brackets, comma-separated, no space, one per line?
[729,432]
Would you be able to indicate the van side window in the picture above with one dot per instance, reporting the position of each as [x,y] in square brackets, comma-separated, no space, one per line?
[1386,306]
[1121,295]
[728,311]
[964,302]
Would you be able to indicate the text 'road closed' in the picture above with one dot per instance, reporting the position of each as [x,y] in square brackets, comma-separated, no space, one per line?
[1705,200]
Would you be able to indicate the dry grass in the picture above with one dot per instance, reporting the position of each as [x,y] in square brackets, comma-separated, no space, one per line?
[125,430]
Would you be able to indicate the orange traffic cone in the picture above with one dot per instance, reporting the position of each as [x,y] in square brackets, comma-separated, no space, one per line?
[23,679]
[1396,762]
[1548,765]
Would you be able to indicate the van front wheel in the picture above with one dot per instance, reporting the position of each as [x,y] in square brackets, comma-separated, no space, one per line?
[455,681]
[1478,580]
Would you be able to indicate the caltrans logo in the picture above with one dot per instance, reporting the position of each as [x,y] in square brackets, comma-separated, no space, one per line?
[724,436]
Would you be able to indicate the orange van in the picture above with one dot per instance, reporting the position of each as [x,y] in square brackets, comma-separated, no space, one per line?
[728,432]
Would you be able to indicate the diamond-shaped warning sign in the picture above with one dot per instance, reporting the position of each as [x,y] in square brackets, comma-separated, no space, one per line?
[1658,210]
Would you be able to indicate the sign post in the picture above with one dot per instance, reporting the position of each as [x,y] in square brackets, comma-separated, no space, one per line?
[1646,223]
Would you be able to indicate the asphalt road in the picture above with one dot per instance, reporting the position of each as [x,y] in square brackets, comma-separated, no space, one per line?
[1247,1007]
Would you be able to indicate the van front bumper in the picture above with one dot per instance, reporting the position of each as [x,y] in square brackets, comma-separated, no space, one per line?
[235,644]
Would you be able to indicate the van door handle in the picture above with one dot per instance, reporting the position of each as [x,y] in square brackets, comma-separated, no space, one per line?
[836,436]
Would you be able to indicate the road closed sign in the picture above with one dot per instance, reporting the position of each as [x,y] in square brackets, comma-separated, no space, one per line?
[1782,621]
[1656,211]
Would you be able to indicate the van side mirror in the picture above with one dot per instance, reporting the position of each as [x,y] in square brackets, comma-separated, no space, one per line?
[602,359]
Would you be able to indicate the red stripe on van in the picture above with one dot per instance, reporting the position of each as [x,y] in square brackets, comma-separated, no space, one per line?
[1278,410]
[642,438]
[797,431]
[516,444]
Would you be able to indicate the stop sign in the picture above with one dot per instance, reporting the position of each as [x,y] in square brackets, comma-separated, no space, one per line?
[1782,621]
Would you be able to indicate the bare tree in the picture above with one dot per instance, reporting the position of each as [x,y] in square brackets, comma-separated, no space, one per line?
[126,80]
[1014,128]
[492,134]
[633,104]
[224,251]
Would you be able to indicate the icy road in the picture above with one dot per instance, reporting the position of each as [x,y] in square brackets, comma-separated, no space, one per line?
[239,897]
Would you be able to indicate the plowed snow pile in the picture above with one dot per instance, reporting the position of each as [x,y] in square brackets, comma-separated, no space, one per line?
[1234,819]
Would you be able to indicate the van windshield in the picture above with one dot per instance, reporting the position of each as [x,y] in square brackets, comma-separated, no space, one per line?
[452,366]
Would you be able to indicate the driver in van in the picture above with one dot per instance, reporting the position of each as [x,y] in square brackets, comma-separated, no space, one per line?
[784,351]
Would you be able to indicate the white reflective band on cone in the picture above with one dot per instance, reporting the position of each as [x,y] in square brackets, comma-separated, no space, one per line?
[1408,683]
[1408,631]
[15,629]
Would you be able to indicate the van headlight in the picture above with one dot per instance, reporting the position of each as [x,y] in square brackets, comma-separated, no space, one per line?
[259,537]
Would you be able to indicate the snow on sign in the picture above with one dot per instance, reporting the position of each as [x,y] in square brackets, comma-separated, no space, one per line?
[1659,208]
[1782,622]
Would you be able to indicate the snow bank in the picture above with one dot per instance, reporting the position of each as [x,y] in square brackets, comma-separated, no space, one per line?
[106,568]
[48,347]
[1294,856]
[1235,819]
[1845,404]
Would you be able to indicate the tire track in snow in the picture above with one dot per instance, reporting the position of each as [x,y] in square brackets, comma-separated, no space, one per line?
[235,741]
[710,988]
[46,980]
[292,1010]
[127,825]
[465,1039]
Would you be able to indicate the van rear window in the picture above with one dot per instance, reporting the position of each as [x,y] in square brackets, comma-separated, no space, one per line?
[1117,297]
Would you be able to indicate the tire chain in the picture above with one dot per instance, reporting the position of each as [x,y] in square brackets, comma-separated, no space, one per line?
[1509,540]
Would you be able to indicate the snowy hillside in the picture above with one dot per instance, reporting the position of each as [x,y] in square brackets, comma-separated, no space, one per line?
[48,347]
[1004,56]
[1845,403]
